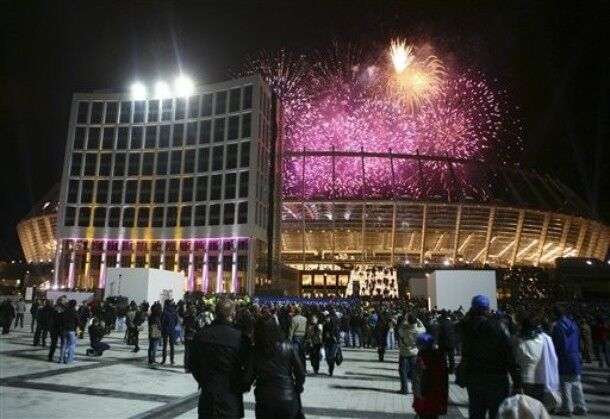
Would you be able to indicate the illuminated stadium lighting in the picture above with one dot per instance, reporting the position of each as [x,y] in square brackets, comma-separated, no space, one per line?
[162,90]
[138,91]
[446,262]
[589,262]
[183,86]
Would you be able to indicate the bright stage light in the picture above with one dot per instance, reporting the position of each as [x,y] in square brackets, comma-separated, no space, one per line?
[162,90]
[138,91]
[183,86]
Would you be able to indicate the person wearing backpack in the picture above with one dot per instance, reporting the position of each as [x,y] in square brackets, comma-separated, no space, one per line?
[313,339]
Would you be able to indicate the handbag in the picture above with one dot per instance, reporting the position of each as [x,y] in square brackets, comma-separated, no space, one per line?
[338,356]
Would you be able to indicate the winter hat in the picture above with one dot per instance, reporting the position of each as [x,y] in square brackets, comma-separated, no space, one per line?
[480,302]
[425,340]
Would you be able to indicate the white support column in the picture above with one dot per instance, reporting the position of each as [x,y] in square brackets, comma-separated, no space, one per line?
[101,283]
[71,269]
[162,261]
[58,250]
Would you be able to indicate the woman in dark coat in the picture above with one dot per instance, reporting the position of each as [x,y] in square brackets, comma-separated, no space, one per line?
[330,338]
[278,373]
[381,333]
[430,382]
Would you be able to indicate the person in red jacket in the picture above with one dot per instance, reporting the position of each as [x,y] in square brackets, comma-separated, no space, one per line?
[430,379]
[600,340]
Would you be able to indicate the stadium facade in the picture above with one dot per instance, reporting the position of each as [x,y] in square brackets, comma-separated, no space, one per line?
[194,184]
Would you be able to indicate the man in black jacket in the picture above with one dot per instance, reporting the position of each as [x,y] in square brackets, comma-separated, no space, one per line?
[44,316]
[489,357]
[217,363]
[55,326]
[446,338]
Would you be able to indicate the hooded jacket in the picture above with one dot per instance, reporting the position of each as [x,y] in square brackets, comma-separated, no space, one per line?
[566,338]
[408,337]
[529,357]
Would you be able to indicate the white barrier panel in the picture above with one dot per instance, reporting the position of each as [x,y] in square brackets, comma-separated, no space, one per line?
[143,284]
[450,289]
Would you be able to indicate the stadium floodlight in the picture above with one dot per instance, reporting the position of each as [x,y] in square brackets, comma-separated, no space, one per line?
[138,91]
[183,86]
[162,90]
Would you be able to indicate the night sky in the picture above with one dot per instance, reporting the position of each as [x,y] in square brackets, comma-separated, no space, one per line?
[552,57]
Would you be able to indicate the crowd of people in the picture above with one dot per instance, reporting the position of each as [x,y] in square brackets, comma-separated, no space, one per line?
[231,345]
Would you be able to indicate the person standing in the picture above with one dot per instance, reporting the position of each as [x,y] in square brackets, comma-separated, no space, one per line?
[488,357]
[409,330]
[154,333]
[69,323]
[190,324]
[169,320]
[278,373]
[8,314]
[357,323]
[314,342]
[586,339]
[529,357]
[34,313]
[84,314]
[381,333]
[44,316]
[330,338]
[55,326]
[20,310]
[446,338]
[600,337]
[218,363]
[296,333]
[391,336]
[566,338]
[430,379]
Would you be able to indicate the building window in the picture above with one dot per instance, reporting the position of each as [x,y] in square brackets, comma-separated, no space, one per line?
[193,107]
[139,108]
[111,112]
[157,220]
[116,194]
[245,155]
[143,214]
[108,138]
[178,137]
[168,109]
[246,125]
[205,131]
[164,136]
[173,191]
[93,142]
[99,217]
[176,162]
[119,164]
[200,215]
[216,187]
[97,109]
[243,184]
[202,188]
[233,133]
[105,164]
[128,216]
[248,97]
[185,216]
[148,164]
[180,108]
[221,102]
[136,137]
[151,137]
[70,216]
[187,189]
[242,213]
[145,191]
[161,163]
[229,214]
[125,116]
[79,138]
[217,158]
[234,99]
[133,164]
[77,161]
[83,111]
[101,194]
[206,105]
[122,138]
[90,164]
[203,164]
[114,217]
[131,191]
[189,161]
[214,215]
[191,133]
[172,214]
[232,156]
[230,185]
[219,130]
[160,185]
[86,192]
[72,191]
[153,111]
[84,214]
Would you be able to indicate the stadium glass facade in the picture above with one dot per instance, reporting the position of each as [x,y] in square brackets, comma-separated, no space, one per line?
[179,183]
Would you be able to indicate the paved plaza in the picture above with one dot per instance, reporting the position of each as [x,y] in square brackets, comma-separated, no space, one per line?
[120,385]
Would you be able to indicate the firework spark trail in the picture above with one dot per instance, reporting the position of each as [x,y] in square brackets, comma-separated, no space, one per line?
[343,100]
